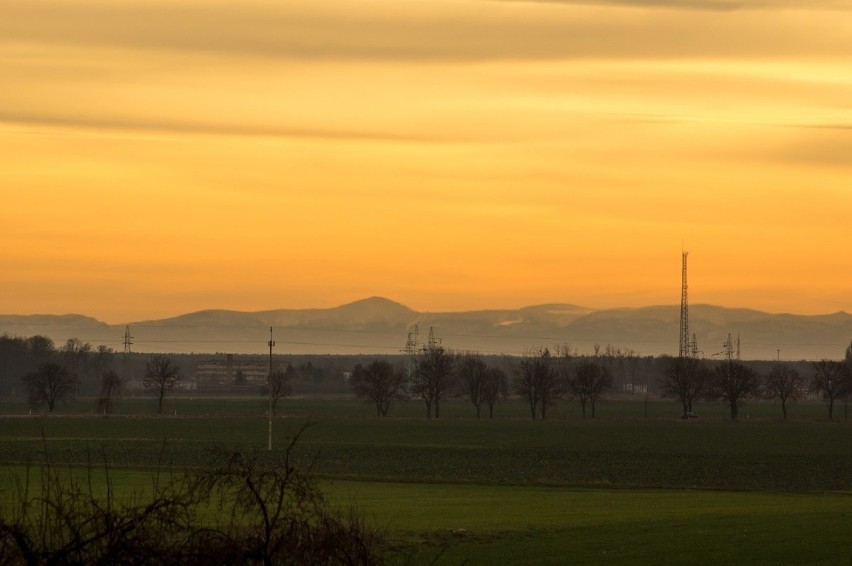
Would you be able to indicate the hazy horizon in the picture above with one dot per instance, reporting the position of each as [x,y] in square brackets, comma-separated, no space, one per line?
[124,321]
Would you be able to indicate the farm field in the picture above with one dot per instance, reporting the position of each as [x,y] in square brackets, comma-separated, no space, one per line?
[552,525]
[340,407]
[616,489]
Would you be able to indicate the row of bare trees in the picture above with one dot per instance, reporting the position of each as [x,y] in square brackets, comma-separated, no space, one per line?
[58,380]
[690,379]
[540,378]
[437,374]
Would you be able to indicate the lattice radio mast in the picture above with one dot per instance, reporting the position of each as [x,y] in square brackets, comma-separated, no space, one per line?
[684,346]
[271,343]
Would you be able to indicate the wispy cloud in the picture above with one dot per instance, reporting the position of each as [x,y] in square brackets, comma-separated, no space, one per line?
[218,129]
[460,31]
[706,5]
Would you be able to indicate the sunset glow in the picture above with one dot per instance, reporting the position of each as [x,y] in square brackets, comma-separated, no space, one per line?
[161,158]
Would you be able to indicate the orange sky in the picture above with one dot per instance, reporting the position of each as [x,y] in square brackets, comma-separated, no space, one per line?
[160,158]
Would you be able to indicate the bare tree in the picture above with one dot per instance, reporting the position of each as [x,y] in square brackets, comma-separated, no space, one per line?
[587,382]
[733,382]
[493,388]
[50,383]
[161,375]
[684,379]
[110,389]
[433,377]
[832,379]
[621,365]
[471,371]
[41,348]
[379,382]
[102,360]
[539,381]
[76,356]
[281,383]
[784,383]
[264,512]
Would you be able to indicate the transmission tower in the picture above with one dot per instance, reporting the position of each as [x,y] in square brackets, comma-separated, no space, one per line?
[433,342]
[411,356]
[683,348]
[729,348]
[693,347]
[126,358]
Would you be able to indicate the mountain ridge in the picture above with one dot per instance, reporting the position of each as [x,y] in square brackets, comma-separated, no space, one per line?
[377,325]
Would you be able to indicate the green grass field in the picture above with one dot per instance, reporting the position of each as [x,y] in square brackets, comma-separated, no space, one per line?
[549,525]
[616,489]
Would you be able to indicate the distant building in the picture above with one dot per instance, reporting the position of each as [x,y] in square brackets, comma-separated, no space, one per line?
[636,388]
[231,372]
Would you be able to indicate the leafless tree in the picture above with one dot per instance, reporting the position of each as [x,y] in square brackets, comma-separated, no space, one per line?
[587,381]
[240,509]
[733,382]
[161,375]
[685,379]
[493,388]
[539,381]
[379,382]
[471,371]
[832,379]
[281,383]
[621,363]
[110,389]
[76,356]
[50,383]
[783,382]
[41,348]
[433,377]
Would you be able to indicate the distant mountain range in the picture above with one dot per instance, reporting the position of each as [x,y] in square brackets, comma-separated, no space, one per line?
[380,326]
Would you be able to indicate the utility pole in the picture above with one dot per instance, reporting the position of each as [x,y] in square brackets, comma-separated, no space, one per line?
[269,410]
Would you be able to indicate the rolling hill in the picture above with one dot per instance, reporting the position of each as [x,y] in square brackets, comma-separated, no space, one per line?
[380,326]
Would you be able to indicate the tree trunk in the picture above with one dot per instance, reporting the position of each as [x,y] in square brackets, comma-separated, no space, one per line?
[593,408]
[477,412]
[583,404]
[830,408]
[160,403]
[490,410]
[428,410]
[734,410]
[437,409]
[784,408]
